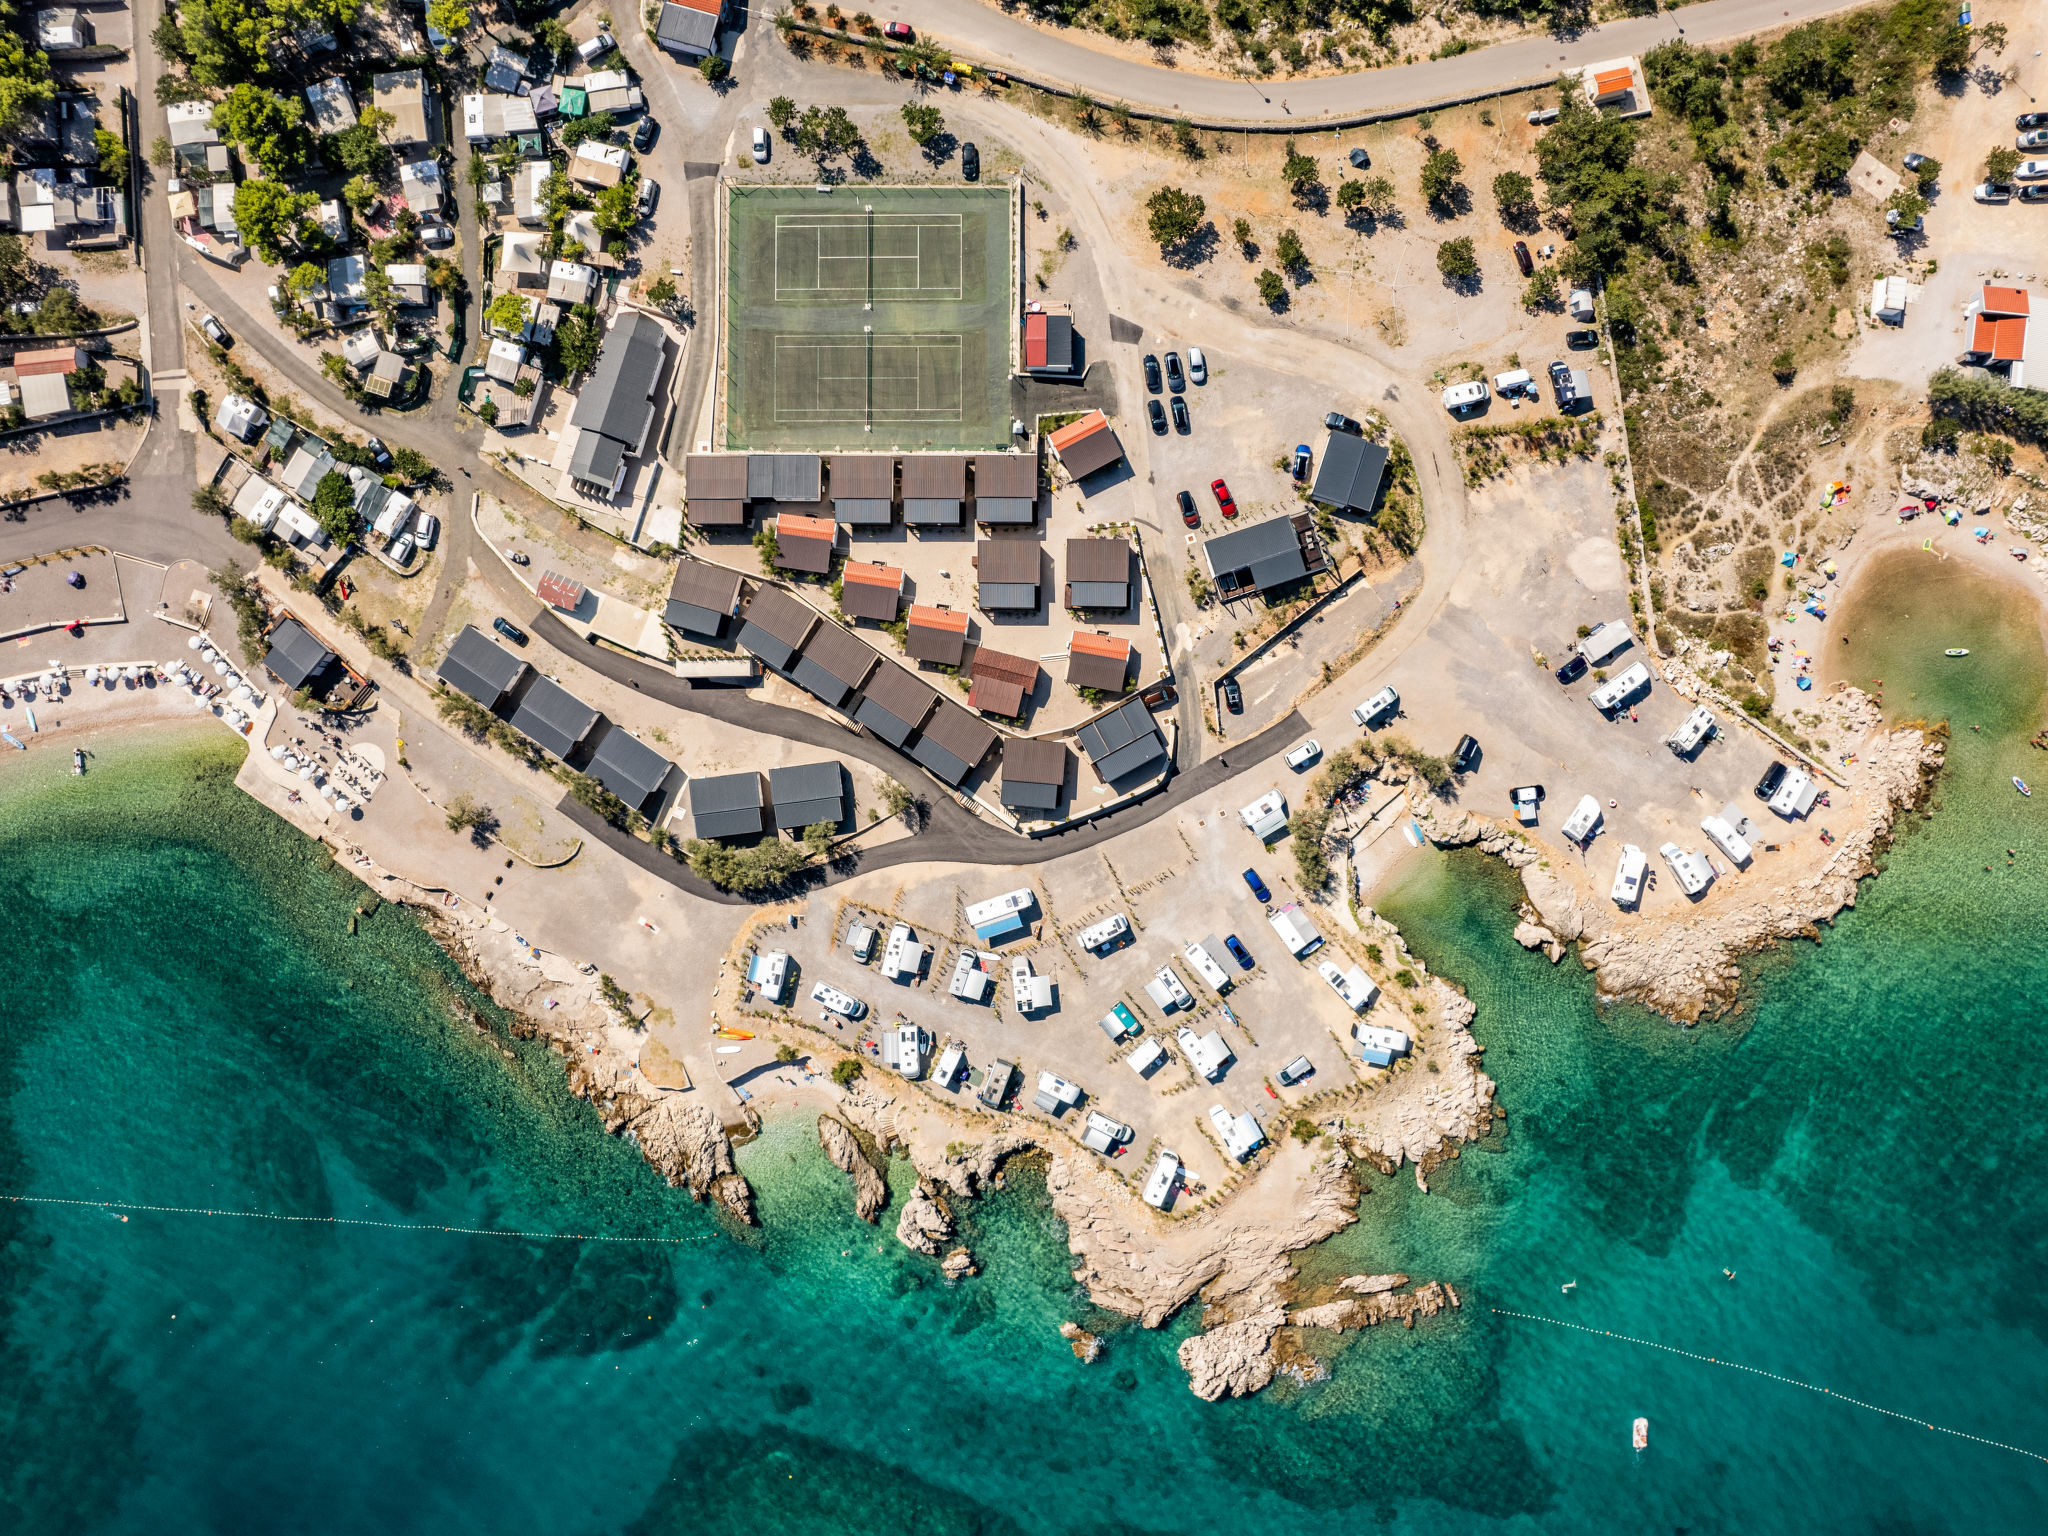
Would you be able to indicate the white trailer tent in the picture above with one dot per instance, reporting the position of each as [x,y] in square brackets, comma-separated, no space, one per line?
[1145,1055]
[1378,1045]
[1354,986]
[1727,839]
[1628,876]
[1204,961]
[1795,795]
[1102,1133]
[1690,868]
[1055,1094]
[1584,818]
[1617,690]
[902,956]
[1105,933]
[1295,930]
[1031,993]
[1159,1187]
[902,1050]
[1206,1053]
[1698,726]
[768,973]
[1168,990]
[1604,641]
[1266,817]
[1888,299]
[1240,1132]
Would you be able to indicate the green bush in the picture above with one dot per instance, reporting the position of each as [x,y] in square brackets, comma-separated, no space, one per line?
[845,1070]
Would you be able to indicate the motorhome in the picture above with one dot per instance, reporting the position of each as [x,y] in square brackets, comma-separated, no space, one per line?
[1619,689]
[1099,936]
[1603,641]
[1584,818]
[1691,869]
[1628,876]
[1698,726]
[1727,839]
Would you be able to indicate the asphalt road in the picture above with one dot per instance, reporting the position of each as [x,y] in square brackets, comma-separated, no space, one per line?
[982,32]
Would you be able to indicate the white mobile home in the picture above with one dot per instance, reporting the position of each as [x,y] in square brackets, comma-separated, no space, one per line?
[1165,1174]
[1378,1045]
[1168,990]
[1354,986]
[768,974]
[1691,869]
[1604,641]
[903,956]
[1031,993]
[1583,819]
[1628,876]
[1698,726]
[1206,1053]
[1240,1132]
[1618,690]
[1105,933]
[1295,930]
[1203,959]
[1727,839]
[1796,794]
[1145,1055]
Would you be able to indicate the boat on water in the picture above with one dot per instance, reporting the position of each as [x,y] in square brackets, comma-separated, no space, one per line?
[2020,784]
[1955,651]
[1641,1435]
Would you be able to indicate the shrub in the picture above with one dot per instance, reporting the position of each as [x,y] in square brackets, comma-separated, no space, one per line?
[1514,193]
[845,1070]
[1172,216]
[1271,288]
[1455,259]
[786,1053]
[1288,250]
[1440,174]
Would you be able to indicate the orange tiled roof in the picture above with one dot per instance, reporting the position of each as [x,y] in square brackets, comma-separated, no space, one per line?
[1108,646]
[1998,300]
[872,574]
[1074,431]
[2004,340]
[952,620]
[794,525]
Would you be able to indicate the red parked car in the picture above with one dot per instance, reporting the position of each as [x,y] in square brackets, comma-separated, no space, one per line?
[898,32]
[1224,502]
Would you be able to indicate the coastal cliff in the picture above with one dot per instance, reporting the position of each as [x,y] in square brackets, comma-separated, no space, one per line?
[1685,965]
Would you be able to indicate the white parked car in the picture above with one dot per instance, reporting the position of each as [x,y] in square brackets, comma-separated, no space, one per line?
[1198,366]
[1465,397]
[1304,754]
[1380,705]
[2036,139]
[425,529]
[760,146]
[2031,170]
[837,1001]
[1992,192]
[401,550]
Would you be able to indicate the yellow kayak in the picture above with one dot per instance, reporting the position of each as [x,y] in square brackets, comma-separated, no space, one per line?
[732,1034]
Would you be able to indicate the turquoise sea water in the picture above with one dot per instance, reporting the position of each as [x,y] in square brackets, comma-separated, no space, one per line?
[188,1022]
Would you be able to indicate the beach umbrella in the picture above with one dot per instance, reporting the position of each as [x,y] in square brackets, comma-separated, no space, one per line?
[220,669]
[306,771]
[328,791]
[278,751]
[194,643]
[199,700]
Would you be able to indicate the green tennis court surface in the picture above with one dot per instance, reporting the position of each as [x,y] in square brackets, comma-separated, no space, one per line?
[869,317]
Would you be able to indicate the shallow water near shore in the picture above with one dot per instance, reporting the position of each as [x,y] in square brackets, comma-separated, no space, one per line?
[190,1023]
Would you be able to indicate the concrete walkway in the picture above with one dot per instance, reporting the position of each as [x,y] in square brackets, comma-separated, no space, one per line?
[1066,61]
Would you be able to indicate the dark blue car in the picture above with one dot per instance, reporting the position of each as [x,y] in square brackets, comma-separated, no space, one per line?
[1238,952]
[1251,878]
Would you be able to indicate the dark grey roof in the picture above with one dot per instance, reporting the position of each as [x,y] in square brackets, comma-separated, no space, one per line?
[728,805]
[833,664]
[554,717]
[722,476]
[1006,572]
[1098,573]
[893,704]
[952,742]
[1001,595]
[629,768]
[938,476]
[1034,773]
[487,672]
[618,403]
[1006,474]
[683,27]
[925,511]
[1004,509]
[1122,740]
[702,597]
[715,512]
[597,459]
[1098,594]
[1059,342]
[1250,559]
[805,793]
[848,509]
[1349,474]
[295,657]
[775,625]
[785,476]
[863,476]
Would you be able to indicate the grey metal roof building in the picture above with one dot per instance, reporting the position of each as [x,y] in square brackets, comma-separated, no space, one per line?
[775,625]
[715,489]
[863,487]
[1268,554]
[934,485]
[728,805]
[833,664]
[1034,774]
[894,704]
[1122,741]
[807,793]
[702,597]
[1350,472]
[1098,573]
[553,717]
[1006,573]
[617,408]
[486,672]
[688,30]
[629,768]
[784,477]
[295,658]
[952,743]
[1006,488]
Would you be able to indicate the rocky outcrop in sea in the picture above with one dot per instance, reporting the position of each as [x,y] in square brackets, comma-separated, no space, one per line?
[870,1194]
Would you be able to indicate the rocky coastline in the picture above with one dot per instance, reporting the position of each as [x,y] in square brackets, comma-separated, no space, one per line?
[1688,966]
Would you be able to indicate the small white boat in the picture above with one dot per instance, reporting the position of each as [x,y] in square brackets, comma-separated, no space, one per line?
[1640,1436]
[1956,651]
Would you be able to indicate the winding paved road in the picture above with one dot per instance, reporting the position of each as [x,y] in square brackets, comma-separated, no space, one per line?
[1065,60]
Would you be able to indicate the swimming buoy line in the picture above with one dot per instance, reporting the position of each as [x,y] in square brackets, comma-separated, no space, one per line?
[355,1221]
[1736,1365]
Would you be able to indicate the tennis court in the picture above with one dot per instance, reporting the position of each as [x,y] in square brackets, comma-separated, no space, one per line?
[869,317]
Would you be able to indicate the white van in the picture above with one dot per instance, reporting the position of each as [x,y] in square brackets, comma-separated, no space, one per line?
[1628,876]
[1381,704]
[1611,694]
[1584,818]
[1519,382]
[1464,397]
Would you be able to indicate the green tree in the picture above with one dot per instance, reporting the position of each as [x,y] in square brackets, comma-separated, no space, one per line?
[1288,250]
[507,312]
[1903,210]
[1271,288]
[1454,258]
[334,506]
[845,1070]
[1172,216]
[598,125]
[1514,194]
[1927,174]
[450,18]
[661,293]
[210,501]
[466,813]
[782,113]
[113,157]
[268,214]
[713,68]
[360,193]
[1241,232]
[618,208]
[412,466]
[304,278]
[1587,160]
[1351,196]
[1379,196]
[1541,290]
[577,339]
[160,152]
[1299,170]
[2000,164]
[1440,173]
[551,36]
[818,838]
[267,126]
[924,122]
[25,85]
[359,151]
